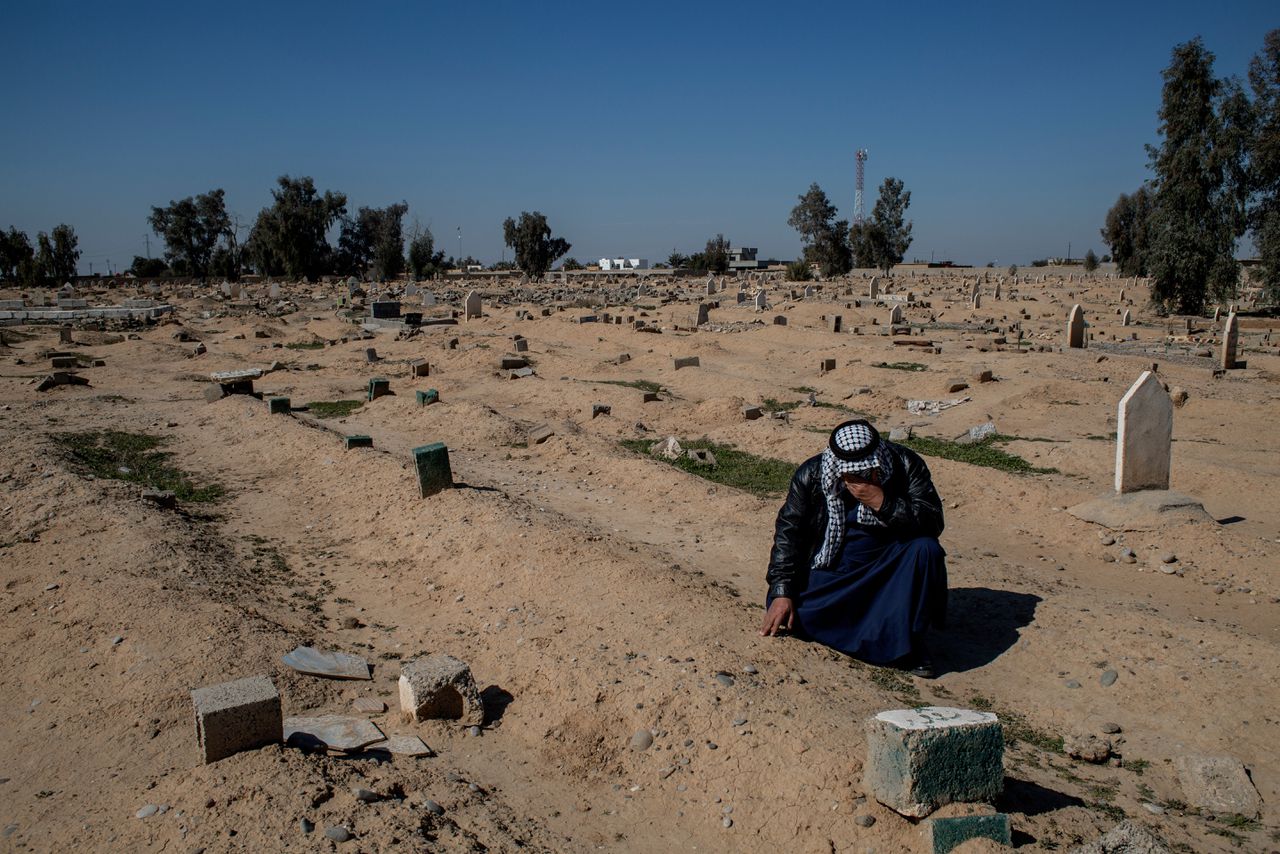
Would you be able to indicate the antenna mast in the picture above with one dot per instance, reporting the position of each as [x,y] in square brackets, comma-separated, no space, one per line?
[858,213]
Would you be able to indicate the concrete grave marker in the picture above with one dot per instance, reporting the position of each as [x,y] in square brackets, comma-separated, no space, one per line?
[474,306]
[895,315]
[1126,318]
[687,362]
[236,716]
[379,387]
[1230,342]
[440,686]
[873,290]
[419,368]
[428,397]
[1075,327]
[274,291]
[835,322]
[761,302]
[1144,436]
[921,759]
[703,314]
[432,464]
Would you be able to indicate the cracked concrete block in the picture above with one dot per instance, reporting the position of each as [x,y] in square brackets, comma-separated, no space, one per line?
[236,716]
[440,686]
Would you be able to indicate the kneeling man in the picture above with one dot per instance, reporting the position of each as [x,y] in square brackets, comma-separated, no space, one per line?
[856,562]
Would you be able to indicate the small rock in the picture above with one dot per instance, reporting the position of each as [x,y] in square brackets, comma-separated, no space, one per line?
[1168,557]
[728,822]
[117,640]
[865,820]
[642,740]
[1090,748]
[433,807]
[750,669]
[1154,809]
[1108,557]
[724,679]
[337,833]
[1108,540]
[367,795]
[739,721]
[306,825]
[350,623]
[1128,556]
[147,811]
[474,732]
[1110,728]
[49,587]
[1108,678]
[1071,683]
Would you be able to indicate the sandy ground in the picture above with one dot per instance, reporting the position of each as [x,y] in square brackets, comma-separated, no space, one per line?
[596,592]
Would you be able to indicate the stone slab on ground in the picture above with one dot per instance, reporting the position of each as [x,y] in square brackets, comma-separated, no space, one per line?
[337,732]
[1127,837]
[236,716]
[920,759]
[440,686]
[1148,510]
[333,665]
[942,835]
[1219,784]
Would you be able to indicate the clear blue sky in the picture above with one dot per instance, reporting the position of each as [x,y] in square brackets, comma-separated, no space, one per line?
[635,128]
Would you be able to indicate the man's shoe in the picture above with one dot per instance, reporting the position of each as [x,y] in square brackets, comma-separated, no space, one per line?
[923,668]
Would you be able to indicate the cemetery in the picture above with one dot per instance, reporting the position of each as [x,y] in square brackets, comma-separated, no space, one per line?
[489,557]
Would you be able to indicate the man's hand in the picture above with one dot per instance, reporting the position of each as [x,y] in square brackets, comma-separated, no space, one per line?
[781,615]
[865,491]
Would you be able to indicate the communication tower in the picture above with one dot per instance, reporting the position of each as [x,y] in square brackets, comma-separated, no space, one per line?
[858,213]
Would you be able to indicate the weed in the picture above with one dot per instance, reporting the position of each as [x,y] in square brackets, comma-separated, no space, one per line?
[132,457]
[333,408]
[1146,793]
[980,702]
[914,367]
[804,389]
[982,453]
[1095,437]
[760,476]
[1102,792]
[1240,821]
[774,405]
[1137,766]
[642,385]
[1111,811]
[305,345]
[1016,729]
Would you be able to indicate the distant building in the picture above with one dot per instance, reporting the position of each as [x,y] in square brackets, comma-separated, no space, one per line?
[744,258]
[624,263]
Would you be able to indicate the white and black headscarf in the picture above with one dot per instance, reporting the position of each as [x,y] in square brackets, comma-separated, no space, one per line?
[854,447]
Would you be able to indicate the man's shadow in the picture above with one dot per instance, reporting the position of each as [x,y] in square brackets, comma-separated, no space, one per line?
[981,624]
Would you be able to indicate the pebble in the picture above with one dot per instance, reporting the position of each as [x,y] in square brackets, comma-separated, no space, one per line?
[1109,558]
[1110,728]
[366,795]
[306,825]
[350,623]
[147,811]
[642,740]
[1128,556]
[724,679]
[9,829]
[433,807]
[1108,540]
[117,640]
[453,776]
[865,820]
[1108,678]
[739,721]
[750,669]
[53,586]
[1168,557]
[711,745]
[474,731]
[728,822]
[1071,683]
[337,833]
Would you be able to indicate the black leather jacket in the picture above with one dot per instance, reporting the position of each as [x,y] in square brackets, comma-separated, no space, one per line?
[911,508]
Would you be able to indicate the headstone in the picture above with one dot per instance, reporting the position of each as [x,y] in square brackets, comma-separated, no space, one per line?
[945,834]
[278,406]
[428,397]
[64,335]
[1144,436]
[808,291]
[873,290]
[827,365]
[439,686]
[522,345]
[428,298]
[835,322]
[895,315]
[236,716]
[977,302]
[370,354]
[687,362]
[411,289]
[379,387]
[356,441]
[384,309]
[598,409]
[474,306]
[761,302]
[419,368]
[779,320]
[703,313]
[751,413]
[1126,318]
[434,473]
[1075,327]
[921,759]
[274,292]
[1230,341]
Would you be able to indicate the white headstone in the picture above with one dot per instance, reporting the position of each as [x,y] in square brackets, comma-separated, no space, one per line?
[873,290]
[275,290]
[474,307]
[1126,318]
[1075,327]
[410,289]
[1144,436]
[895,315]
[1230,341]
[761,302]
[428,298]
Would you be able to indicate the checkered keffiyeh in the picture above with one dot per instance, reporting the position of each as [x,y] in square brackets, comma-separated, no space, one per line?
[855,447]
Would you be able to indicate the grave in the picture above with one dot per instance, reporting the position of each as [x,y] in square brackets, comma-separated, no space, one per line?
[921,759]
[873,290]
[779,320]
[473,307]
[943,835]
[835,323]
[278,406]
[1230,341]
[428,397]
[827,365]
[703,314]
[1126,318]
[1144,436]
[598,409]
[419,368]
[537,435]
[761,302]
[522,345]
[236,716]
[357,441]
[895,315]
[432,464]
[379,387]
[439,686]
[687,362]
[370,355]
[64,336]
[751,413]
[1075,327]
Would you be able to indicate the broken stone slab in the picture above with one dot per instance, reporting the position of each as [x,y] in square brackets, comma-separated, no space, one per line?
[520,373]
[333,665]
[1219,784]
[434,472]
[58,378]
[369,705]
[1127,837]
[235,716]
[921,759]
[538,435]
[668,449]
[336,732]
[899,434]
[440,686]
[1148,510]
[751,413]
[687,362]
[357,441]
[598,409]
[943,835]
[233,376]
[976,434]
[402,745]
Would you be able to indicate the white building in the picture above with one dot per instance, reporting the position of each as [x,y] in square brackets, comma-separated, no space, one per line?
[624,263]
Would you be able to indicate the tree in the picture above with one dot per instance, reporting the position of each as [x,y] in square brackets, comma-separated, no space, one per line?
[191,230]
[1196,214]
[571,264]
[16,255]
[799,271]
[424,261]
[1264,157]
[1013,270]
[890,233]
[373,243]
[147,268]
[57,255]
[1090,261]
[676,260]
[826,241]
[717,255]
[1125,231]
[530,237]
[860,245]
[288,238]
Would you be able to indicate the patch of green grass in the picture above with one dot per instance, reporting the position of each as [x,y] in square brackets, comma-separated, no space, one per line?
[980,703]
[333,408]
[1102,792]
[305,345]
[1016,729]
[132,457]
[896,682]
[804,389]
[1236,839]
[642,385]
[774,405]
[981,453]
[760,476]
[1137,766]
[1111,811]
[1240,821]
[915,367]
